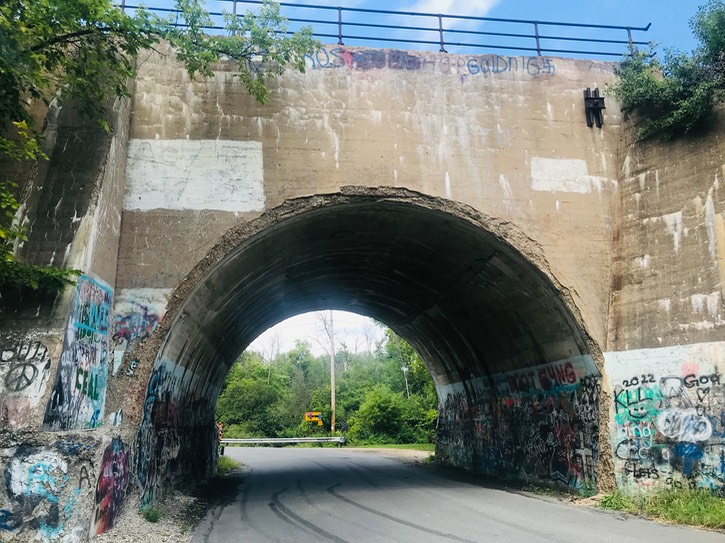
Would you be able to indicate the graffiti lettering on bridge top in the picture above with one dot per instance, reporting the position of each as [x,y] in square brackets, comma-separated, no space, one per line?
[376,59]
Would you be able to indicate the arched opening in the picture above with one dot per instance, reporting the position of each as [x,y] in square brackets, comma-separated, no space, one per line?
[511,360]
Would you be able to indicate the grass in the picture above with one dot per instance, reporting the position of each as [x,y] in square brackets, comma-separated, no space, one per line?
[225,464]
[430,447]
[692,507]
[151,513]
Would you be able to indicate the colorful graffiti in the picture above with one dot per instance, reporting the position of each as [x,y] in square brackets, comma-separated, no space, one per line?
[177,435]
[112,485]
[24,374]
[79,393]
[137,313]
[540,424]
[461,66]
[40,497]
[668,417]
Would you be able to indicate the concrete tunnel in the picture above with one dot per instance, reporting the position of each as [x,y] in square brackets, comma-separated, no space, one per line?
[518,385]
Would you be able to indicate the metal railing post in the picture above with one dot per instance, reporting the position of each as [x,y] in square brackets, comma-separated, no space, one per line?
[629,39]
[440,33]
[384,30]
[339,26]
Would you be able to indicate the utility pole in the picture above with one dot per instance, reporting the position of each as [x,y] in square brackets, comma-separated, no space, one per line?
[405,375]
[332,374]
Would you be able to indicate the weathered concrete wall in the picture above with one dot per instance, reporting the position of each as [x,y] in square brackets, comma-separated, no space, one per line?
[564,285]
[667,331]
[54,352]
[506,135]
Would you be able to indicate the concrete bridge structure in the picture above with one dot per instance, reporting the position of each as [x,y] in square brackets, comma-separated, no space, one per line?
[563,283]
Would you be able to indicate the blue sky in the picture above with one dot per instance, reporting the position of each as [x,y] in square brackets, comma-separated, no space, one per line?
[669,18]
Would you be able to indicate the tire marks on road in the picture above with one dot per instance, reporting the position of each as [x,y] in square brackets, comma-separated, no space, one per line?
[452,537]
[297,521]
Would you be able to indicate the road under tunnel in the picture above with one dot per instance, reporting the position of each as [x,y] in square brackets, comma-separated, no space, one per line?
[514,367]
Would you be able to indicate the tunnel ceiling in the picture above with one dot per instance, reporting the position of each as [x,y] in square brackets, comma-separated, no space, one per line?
[467,300]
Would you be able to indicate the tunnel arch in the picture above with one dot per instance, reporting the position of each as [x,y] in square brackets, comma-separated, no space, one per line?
[472,294]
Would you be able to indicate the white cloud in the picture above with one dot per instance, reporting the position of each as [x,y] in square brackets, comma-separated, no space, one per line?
[357,332]
[476,8]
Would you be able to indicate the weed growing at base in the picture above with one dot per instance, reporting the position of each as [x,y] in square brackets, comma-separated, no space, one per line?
[698,507]
[151,514]
[225,464]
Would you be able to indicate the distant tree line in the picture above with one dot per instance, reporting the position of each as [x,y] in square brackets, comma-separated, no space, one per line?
[268,398]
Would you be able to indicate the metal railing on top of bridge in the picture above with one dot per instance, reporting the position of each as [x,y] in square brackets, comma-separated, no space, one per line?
[365,26]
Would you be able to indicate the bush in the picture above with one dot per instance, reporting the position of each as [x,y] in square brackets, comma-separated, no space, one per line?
[151,513]
[677,95]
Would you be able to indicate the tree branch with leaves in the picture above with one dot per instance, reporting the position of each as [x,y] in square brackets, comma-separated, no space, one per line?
[85,50]
[676,95]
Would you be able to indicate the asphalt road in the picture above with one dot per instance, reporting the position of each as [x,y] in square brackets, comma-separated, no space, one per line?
[347,495]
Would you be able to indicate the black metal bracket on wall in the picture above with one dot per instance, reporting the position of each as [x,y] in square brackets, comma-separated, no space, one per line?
[593,106]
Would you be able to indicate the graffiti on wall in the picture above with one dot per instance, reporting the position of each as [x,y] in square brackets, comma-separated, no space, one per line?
[668,417]
[461,66]
[24,374]
[112,485]
[79,392]
[42,488]
[136,314]
[177,433]
[539,424]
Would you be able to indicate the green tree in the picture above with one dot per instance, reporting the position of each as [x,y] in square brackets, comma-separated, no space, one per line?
[249,402]
[677,95]
[269,398]
[381,417]
[419,379]
[85,49]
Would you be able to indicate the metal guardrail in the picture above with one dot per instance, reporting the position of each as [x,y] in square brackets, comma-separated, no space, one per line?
[439,30]
[281,440]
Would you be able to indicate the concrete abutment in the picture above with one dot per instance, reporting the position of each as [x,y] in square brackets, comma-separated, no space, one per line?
[563,284]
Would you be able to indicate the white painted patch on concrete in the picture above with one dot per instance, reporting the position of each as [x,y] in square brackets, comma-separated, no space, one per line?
[194,175]
[674,227]
[709,303]
[506,188]
[40,474]
[643,261]
[563,175]
[677,360]
[710,225]
[448,186]
[665,304]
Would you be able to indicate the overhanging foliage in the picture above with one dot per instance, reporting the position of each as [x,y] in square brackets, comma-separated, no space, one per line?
[85,50]
[677,95]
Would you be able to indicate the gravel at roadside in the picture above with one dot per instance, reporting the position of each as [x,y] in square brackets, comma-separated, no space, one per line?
[173,526]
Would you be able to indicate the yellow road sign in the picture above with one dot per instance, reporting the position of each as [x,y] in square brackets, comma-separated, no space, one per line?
[311,416]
